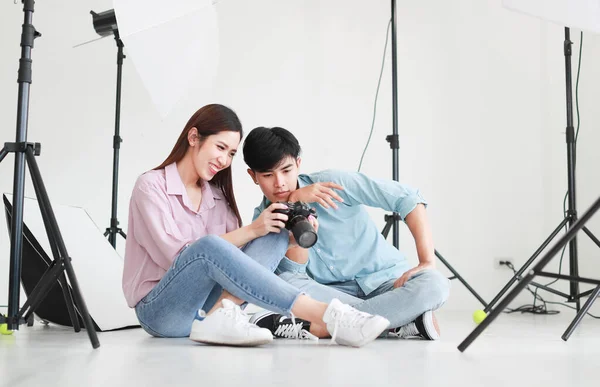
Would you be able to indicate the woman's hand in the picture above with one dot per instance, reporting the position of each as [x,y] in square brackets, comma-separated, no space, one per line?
[270,221]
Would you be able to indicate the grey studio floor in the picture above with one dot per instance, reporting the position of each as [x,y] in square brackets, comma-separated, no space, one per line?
[516,350]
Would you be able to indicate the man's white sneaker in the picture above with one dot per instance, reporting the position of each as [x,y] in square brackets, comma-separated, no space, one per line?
[228,325]
[348,326]
[425,326]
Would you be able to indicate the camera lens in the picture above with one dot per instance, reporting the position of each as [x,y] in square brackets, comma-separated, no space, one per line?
[303,231]
[307,239]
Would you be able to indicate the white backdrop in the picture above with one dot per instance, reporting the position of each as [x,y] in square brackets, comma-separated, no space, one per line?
[481,105]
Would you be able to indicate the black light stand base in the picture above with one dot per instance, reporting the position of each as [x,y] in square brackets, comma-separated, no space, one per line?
[537,270]
[570,219]
[61,263]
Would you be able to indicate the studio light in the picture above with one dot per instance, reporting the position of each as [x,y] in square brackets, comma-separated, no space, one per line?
[105,23]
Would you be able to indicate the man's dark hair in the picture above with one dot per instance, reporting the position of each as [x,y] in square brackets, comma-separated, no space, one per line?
[265,148]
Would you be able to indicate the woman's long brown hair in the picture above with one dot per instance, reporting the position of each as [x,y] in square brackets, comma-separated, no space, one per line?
[209,120]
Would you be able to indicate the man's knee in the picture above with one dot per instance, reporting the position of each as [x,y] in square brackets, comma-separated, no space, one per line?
[436,288]
[279,241]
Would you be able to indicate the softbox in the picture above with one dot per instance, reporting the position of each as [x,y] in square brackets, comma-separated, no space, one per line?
[98,266]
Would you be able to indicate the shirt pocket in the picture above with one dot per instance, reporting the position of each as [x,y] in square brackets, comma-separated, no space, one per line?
[216,229]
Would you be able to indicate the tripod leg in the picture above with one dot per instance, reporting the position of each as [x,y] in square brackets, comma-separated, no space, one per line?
[87,320]
[41,289]
[64,285]
[16,242]
[592,236]
[523,283]
[588,304]
[3,154]
[57,238]
[526,265]
[389,221]
[122,233]
[495,312]
[460,278]
[58,258]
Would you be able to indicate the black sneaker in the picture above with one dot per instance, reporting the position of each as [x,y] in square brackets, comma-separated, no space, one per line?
[425,326]
[283,327]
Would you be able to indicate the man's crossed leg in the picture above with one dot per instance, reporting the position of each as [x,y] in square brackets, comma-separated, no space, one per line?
[409,308]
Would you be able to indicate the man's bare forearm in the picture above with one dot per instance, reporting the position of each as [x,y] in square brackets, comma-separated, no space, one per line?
[418,224]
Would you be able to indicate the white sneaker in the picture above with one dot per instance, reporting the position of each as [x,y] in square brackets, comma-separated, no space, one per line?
[348,326]
[228,325]
[425,326]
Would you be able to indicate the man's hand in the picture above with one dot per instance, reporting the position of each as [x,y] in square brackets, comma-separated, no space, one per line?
[406,276]
[268,221]
[321,193]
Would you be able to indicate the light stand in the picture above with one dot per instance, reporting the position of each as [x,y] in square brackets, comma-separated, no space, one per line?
[537,270]
[105,23]
[25,153]
[570,219]
[392,221]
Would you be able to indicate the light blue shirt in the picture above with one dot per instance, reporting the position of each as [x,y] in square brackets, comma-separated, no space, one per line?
[349,246]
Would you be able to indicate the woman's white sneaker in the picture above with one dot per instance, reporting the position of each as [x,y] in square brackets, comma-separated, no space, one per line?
[228,325]
[348,326]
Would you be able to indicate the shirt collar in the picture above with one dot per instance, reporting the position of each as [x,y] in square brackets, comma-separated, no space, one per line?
[208,196]
[303,181]
[174,184]
[175,187]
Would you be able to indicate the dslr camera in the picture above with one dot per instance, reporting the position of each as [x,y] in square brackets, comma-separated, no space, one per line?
[298,213]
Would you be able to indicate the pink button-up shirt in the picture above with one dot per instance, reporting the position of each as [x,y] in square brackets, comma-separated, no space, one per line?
[161,222]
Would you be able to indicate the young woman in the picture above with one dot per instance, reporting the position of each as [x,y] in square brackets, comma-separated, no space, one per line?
[186,252]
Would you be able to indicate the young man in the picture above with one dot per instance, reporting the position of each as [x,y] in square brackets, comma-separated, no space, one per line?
[351,260]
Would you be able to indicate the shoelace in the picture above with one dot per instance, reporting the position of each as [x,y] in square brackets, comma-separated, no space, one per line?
[291,331]
[297,331]
[336,318]
[239,315]
[409,329]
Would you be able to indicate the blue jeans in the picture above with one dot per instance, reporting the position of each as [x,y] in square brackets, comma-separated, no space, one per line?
[203,269]
[427,290]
